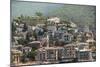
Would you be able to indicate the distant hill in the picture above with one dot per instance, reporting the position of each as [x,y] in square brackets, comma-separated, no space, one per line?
[28,8]
[81,15]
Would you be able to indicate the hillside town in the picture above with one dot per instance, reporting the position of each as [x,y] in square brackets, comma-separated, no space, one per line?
[54,41]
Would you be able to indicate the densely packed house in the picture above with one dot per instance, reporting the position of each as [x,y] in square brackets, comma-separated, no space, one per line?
[53,42]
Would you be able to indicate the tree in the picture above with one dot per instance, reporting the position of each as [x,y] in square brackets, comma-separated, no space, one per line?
[22,41]
[13,28]
[40,18]
[38,14]
[31,55]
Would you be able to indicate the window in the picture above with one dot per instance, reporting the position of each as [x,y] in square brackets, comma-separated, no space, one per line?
[84,55]
[51,54]
[43,56]
[90,42]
